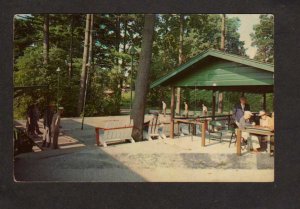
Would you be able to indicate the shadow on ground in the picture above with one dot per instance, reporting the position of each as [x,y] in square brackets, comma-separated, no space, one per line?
[74,164]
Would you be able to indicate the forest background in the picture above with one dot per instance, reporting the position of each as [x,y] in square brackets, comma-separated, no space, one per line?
[44,42]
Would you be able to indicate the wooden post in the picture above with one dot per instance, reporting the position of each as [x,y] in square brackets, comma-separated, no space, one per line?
[213,104]
[203,133]
[238,142]
[264,102]
[97,137]
[172,112]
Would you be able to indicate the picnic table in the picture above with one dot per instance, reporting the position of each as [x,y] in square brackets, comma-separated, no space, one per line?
[255,130]
[193,123]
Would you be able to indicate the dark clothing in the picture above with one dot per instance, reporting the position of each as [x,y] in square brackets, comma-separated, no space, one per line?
[48,115]
[30,117]
[238,111]
[36,117]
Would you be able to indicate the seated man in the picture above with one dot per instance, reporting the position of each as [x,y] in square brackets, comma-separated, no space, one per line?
[266,122]
[253,140]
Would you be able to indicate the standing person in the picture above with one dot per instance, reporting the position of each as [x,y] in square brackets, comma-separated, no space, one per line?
[186,109]
[30,121]
[36,118]
[239,109]
[48,115]
[55,125]
[204,109]
[164,108]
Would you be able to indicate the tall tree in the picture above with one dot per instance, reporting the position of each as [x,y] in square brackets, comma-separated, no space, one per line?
[88,66]
[46,39]
[223,27]
[222,48]
[180,59]
[84,64]
[71,47]
[142,81]
[263,38]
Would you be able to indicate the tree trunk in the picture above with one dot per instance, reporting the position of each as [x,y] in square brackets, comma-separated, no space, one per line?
[142,81]
[118,94]
[180,60]
[223,26]
[88,66]
[71,48]
[124,50]
[84,63]
[46,40]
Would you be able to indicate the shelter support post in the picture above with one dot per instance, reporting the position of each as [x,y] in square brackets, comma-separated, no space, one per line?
[213,105]
[172,112]
[264,102]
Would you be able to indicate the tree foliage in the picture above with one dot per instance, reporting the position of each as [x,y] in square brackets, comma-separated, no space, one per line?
[263,38]
[114,35]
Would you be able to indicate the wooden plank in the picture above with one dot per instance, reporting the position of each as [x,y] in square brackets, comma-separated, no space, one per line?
[223,73]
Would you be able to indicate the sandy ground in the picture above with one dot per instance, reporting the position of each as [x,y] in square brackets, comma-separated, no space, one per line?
[170,160]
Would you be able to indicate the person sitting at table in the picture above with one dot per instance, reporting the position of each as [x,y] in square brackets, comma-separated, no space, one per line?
[244,121]
[266,122]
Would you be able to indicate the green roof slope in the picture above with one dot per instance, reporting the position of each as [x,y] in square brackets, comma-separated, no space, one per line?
[221,65]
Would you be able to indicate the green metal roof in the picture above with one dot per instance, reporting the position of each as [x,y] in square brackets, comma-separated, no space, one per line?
[215,68]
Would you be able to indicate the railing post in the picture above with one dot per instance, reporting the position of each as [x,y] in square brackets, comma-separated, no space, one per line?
[97,137]
[238,142]
[203,133]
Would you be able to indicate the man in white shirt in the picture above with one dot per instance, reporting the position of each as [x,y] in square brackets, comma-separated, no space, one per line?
[186,109]
[164,108]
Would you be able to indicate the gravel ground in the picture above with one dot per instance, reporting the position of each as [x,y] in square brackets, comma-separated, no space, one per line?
[180,159]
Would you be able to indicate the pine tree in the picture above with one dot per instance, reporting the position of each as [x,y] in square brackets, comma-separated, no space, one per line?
[84,65]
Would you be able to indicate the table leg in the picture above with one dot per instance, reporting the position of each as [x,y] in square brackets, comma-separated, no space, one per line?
[269,144]
[203,134]
[238,142]
[192,133]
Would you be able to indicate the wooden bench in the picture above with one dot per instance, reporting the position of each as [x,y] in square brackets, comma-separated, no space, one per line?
[21,139]
[110,135]
[122,133]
